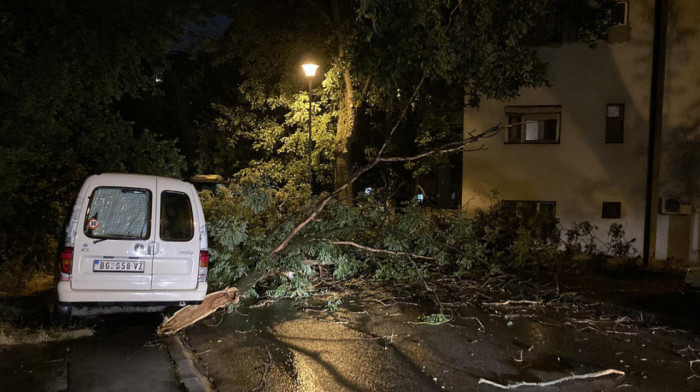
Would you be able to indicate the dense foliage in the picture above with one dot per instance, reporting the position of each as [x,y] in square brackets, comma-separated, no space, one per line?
[65,69]
[372,54]
[377,239]
[79,96]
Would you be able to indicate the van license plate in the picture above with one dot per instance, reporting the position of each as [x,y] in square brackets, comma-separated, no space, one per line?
[118,266]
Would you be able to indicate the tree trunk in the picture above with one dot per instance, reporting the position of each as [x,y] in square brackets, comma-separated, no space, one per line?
[342,167]
[343,140]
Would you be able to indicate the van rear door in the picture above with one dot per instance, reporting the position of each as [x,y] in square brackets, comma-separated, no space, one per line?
[111,245]
[176,260]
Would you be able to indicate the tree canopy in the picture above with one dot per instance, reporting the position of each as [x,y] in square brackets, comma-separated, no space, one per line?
[65,69]
[372,55]
[79,95]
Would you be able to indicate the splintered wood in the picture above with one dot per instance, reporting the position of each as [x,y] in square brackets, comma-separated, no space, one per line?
[192,313]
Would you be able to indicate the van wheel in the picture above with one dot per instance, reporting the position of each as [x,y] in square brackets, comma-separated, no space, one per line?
[62,315]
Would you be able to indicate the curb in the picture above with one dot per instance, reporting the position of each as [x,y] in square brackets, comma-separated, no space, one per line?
[190,377]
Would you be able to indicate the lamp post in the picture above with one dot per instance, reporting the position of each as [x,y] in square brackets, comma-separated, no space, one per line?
[310,72]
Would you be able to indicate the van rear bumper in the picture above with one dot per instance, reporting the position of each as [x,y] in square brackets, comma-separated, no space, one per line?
[69,296]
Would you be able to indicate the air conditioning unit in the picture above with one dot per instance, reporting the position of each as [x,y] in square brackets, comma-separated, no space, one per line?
[675,206]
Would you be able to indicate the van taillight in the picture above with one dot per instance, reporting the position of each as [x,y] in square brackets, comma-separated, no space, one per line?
[203,266]
[66,262]
[203,259]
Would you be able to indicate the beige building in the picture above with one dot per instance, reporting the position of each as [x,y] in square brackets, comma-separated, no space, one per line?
[582,145]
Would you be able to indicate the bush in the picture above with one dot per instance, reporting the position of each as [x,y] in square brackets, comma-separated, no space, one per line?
[512,237]
[581,240]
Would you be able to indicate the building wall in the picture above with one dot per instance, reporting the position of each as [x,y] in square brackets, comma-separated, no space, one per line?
[582,171]
[680,159]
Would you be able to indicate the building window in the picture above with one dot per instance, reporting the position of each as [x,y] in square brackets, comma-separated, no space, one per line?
[620,14]
[533,124]
[614,123]
[539,217]
[533,209]
[612,210]
[440,188]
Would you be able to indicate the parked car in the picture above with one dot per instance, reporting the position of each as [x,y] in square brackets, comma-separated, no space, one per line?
[133,243]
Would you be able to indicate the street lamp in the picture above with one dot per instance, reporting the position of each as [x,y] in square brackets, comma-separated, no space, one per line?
[310,72]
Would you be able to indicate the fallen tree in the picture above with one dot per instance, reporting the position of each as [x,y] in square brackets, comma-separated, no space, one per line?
[191,314]
[270,234]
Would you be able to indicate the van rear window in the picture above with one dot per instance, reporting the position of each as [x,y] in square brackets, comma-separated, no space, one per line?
[119,213]
[176,223]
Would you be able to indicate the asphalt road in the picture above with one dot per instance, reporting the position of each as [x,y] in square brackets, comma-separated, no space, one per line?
[122,355]
[373,342]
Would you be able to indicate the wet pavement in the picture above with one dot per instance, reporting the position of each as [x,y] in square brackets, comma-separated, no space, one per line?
[122,355]
[375,342]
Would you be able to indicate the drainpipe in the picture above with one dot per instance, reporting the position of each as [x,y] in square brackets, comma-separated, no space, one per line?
[658,73]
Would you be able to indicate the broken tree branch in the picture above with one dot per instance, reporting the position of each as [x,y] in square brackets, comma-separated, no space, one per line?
[428,288]
[375,250]
[449,147]
[354,177]
[514,302]
[193,313]
[553,382]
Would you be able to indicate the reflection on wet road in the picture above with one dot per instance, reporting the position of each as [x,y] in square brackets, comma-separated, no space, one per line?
[371,346]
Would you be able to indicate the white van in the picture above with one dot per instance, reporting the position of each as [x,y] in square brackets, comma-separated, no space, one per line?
[133,243]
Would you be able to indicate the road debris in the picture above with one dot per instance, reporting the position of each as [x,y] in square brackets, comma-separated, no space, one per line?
[192,313]
[553,382]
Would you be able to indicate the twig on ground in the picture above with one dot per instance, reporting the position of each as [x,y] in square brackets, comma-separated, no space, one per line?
[519,359]
[391,337]
[381,301]
[439,322]
[263,370]
[430,290]
[693,362]
[623,333]
[553,382]
[264,303]
[513,302]
[481,328]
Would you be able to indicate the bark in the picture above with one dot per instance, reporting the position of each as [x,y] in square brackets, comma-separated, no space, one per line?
[192,313]
[345,131]
[344,137]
